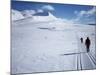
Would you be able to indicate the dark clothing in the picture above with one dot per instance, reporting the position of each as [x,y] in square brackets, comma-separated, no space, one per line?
[81,40]
[87,43]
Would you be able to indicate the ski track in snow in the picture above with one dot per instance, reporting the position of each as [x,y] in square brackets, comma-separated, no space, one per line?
[41,50]
[85,60]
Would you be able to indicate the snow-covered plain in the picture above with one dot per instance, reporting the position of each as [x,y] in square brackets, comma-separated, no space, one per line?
[45,44]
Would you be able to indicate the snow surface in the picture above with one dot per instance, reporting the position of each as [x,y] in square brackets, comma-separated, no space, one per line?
[40,45]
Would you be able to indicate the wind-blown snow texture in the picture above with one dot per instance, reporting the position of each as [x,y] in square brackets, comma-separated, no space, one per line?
[47,43]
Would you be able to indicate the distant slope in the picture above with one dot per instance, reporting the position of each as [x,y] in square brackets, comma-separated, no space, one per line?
[16,15]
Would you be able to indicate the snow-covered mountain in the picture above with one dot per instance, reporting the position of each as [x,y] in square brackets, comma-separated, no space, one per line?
[36,47]
[41,42]
[16,15]
[43,16]
[33,16]
[28,13]
[30,16]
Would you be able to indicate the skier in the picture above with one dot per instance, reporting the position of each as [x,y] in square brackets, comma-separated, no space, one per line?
[87,43]
[81,40]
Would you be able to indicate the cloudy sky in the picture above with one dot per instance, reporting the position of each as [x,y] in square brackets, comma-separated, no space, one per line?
[77,13]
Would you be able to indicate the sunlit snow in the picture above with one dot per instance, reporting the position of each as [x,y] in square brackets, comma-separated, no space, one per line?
[47,43]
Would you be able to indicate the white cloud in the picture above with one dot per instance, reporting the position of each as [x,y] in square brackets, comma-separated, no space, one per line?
[79,15]
[76,12]
[92,11]
[48,8]
[40,11]
[83,13]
